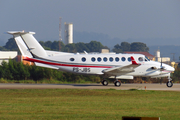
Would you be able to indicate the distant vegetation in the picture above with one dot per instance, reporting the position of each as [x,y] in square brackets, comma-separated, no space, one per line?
[17,72]
[135,46]
[92,46]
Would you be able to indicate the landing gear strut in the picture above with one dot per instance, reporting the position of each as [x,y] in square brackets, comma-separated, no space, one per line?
[169,83]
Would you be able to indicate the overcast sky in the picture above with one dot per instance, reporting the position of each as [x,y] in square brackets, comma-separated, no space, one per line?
[137,19]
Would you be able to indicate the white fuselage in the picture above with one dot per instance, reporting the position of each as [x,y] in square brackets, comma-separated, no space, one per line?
[120,66]
[96,63]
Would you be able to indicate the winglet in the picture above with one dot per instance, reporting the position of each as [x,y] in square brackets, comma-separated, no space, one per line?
[133,61]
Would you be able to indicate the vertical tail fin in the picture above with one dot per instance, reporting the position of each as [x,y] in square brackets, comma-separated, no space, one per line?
[28,45]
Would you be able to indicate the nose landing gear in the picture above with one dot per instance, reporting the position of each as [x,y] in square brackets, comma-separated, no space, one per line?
[169,83]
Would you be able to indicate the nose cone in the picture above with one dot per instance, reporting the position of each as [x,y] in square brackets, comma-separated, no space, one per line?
[170,68]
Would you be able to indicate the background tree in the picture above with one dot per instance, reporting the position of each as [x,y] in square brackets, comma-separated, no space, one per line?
[48,44]
[5,71]
[135,46]
[138,46]
[94,46]
[117,49]
[55,46]
[70,48]
[23,70]
[3,48]
[44,45]
[11,45]
[125,46]
[81,47]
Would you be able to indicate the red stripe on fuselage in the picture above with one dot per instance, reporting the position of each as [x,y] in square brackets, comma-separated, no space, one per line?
[61,64]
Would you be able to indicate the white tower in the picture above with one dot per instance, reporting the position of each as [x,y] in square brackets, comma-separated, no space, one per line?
[158,56]
[68,33]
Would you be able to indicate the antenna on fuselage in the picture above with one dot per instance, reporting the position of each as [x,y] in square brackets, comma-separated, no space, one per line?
[85,52]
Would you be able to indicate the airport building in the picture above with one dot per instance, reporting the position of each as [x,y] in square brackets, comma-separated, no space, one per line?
[6,55]
[163,59]
[104,51]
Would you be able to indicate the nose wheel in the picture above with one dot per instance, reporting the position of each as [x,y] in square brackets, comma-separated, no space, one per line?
[169,83]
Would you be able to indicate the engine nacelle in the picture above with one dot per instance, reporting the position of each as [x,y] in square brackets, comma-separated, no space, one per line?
[122,77]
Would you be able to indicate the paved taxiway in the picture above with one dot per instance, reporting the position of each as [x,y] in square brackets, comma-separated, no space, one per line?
[176,87]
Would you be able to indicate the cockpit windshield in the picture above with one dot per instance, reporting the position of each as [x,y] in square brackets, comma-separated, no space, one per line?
[146,59]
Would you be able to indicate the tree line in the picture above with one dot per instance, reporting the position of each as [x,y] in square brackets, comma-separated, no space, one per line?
[92,46]
[135,46]
[18,71]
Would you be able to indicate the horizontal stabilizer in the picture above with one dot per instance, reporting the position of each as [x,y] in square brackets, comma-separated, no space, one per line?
[19,32]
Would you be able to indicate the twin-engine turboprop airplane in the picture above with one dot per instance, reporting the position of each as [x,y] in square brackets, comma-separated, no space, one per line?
[119,66]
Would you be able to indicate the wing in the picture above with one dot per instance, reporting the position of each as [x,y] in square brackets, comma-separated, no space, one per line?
[125,69]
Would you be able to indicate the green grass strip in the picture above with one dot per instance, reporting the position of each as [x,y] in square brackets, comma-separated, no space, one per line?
[78,104]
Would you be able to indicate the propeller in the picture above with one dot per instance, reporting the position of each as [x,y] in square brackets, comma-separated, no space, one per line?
[161,67]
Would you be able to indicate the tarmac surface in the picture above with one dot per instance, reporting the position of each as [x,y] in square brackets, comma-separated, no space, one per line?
[158,86]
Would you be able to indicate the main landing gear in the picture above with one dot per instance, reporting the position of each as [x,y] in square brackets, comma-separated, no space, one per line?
[116,83]
[105,82]
[169,83]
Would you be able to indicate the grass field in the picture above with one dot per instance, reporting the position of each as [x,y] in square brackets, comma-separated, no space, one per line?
[87,104]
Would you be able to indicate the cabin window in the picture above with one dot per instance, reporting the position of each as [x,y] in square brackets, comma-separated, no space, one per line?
[117,59]
[105,59]
[93,59]
[140,59]
[83,59]
[71,59]
[123,59]
[129,59]
[99,59]
[110,59]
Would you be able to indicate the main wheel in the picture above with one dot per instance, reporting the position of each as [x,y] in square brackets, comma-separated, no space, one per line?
[105,83]
[169,84]
[117,83]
